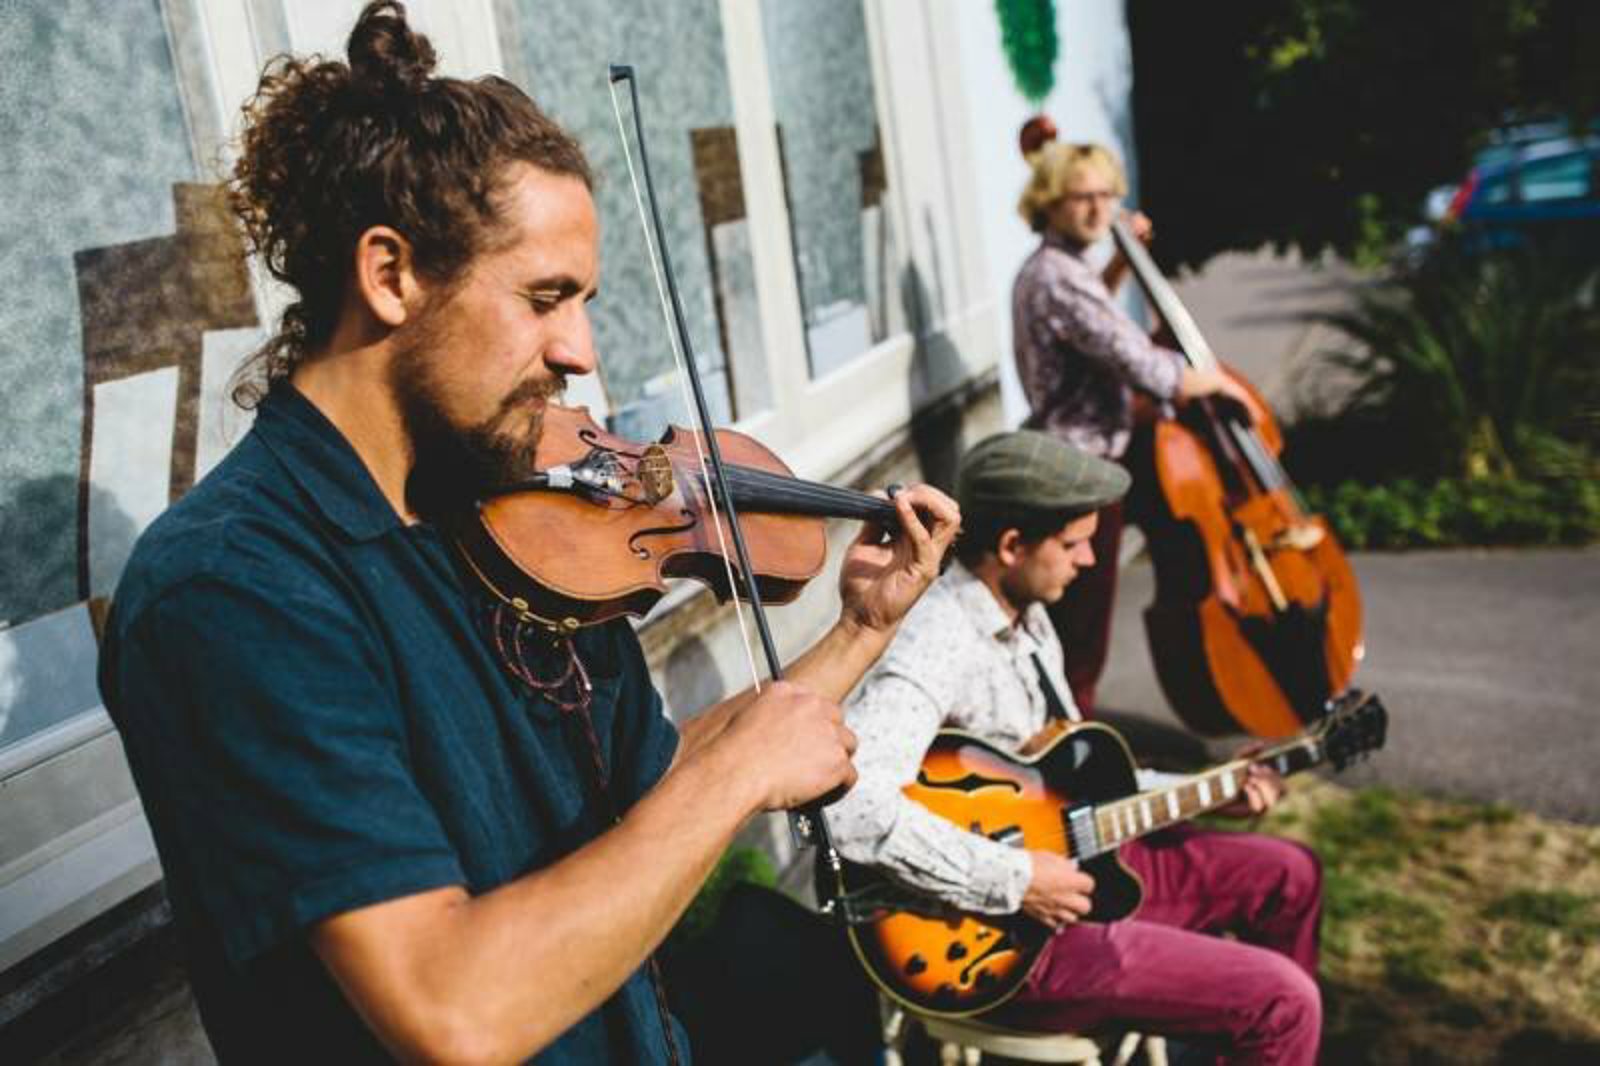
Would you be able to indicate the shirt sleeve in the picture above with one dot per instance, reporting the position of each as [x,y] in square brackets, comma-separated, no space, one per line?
[1081,314]
[895,720]
[265,733]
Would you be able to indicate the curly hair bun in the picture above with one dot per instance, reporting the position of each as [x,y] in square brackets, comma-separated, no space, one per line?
[386,54]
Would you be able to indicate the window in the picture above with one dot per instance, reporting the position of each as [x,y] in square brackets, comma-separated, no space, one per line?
[1495,190]
[1563,178]
[831,151]
[101,320]
[560,53]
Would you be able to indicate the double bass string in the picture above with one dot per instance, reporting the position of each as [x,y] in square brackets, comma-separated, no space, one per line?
[1268,471]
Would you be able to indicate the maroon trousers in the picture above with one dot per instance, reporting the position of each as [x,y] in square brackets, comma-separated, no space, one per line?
[1164,971]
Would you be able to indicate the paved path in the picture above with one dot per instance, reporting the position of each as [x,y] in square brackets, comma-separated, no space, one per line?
[1255,310]
[1489,663]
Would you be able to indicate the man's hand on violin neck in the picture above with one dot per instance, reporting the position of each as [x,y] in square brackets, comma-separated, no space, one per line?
[880,582]
[793,744]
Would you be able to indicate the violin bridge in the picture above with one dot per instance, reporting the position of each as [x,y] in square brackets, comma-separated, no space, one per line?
[655,474]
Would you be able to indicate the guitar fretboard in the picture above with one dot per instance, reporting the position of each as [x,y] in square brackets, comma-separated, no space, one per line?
[1123,820]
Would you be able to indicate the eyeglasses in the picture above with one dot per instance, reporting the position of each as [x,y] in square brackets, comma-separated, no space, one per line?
[1104,196]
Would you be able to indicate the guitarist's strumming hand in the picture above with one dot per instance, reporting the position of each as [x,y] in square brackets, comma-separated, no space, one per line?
[1058,895]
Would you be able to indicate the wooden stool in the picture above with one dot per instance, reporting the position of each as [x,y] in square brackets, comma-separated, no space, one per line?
[964,1040]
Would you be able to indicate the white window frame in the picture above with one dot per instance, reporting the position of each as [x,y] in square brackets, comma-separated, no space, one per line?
[820,426]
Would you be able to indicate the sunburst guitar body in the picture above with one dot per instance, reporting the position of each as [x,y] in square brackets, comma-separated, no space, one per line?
[1078,797]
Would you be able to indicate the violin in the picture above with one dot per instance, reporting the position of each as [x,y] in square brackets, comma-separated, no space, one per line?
[604,521]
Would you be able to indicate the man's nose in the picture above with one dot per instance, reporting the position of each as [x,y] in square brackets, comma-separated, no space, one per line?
[572,351]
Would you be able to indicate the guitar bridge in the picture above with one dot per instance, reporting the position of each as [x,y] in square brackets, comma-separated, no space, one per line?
[1011,836]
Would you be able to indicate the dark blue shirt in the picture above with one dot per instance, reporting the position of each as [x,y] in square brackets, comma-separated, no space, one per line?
[317,722]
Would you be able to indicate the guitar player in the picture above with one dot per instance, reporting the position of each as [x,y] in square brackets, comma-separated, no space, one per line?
[978,653]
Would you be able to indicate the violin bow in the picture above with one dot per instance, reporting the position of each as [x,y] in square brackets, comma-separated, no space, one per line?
[807,824]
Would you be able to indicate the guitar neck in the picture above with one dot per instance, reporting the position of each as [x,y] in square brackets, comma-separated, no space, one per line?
[1114,824]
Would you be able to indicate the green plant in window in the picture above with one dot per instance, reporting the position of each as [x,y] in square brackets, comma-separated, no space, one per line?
[1028,37]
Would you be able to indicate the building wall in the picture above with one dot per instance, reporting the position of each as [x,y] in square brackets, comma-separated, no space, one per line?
[837,201]
[1092,101]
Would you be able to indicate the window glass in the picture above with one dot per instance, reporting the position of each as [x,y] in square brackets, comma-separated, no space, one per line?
[834,178]
[102,319]
[1494,191]
[1563,178]
[560,54]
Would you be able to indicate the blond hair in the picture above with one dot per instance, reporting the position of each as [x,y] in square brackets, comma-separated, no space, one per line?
[1055,165]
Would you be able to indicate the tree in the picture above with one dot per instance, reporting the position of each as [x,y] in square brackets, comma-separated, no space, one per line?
[1324,123]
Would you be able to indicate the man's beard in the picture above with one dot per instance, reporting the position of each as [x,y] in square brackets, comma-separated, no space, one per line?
[454,465]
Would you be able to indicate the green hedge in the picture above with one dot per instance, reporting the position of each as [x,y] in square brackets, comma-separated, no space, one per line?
[1453,512]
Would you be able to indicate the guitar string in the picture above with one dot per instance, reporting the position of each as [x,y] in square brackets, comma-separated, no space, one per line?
[1125,805]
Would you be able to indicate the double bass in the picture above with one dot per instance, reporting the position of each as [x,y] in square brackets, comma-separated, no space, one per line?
[1256,621]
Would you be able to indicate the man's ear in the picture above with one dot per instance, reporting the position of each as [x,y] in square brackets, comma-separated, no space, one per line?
[1008,547]
[385,275]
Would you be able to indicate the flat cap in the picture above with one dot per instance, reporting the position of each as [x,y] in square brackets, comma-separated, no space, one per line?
[1026,469]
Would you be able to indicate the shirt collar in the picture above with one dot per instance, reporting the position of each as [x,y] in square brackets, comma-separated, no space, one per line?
[1062,243]
[980,605]
[322,461]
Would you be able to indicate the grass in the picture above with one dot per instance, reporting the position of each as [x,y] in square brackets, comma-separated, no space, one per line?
[1452,933]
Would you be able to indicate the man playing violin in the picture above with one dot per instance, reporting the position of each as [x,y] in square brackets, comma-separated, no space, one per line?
[978,654]
[1083,361]
[384,832]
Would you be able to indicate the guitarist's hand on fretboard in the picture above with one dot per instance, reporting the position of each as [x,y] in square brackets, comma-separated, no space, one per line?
[1263,788]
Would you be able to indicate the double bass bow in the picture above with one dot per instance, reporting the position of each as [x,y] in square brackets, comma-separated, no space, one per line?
[1256,621]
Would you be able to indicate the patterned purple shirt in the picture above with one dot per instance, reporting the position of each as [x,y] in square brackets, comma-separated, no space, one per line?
[1078,353]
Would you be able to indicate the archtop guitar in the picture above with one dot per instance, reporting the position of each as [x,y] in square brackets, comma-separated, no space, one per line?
[1078,796]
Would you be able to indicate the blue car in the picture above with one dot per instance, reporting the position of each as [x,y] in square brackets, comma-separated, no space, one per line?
[1550,188]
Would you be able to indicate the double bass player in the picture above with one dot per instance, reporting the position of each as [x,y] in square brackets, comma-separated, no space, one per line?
[1082,360]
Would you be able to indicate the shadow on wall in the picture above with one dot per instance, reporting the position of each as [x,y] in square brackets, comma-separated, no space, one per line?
[935,362]
[693,681]
[38,544]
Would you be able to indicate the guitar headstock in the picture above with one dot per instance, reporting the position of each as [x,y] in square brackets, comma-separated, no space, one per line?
[1354,724]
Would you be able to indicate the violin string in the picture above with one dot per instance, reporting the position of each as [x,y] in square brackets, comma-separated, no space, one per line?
[767,490]
[799,489]
[683,386]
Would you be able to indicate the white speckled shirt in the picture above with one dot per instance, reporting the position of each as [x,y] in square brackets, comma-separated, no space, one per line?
[1078,353]
[957,662]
